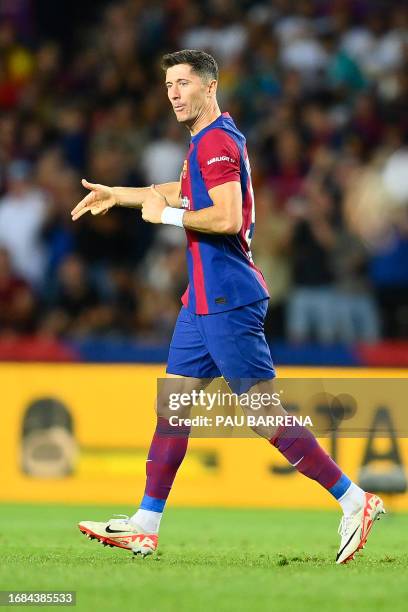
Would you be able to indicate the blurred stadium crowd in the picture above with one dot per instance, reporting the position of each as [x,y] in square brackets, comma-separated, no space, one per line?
[319,87]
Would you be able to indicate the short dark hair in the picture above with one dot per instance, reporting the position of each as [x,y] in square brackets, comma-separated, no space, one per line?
[201,63]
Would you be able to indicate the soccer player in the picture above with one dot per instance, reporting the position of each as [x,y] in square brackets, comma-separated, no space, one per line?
[219,331]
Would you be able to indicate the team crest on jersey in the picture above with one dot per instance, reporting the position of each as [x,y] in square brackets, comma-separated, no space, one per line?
[185,169]
[185,202]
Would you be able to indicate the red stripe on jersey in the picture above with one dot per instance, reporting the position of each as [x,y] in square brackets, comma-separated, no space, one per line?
[198,275]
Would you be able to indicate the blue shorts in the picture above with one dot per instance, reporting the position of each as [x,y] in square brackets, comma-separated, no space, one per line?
[231,344]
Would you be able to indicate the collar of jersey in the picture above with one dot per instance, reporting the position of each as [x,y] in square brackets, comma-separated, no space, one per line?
[211,125]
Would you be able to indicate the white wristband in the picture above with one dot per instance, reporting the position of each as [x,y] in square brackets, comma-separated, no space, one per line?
[172,216]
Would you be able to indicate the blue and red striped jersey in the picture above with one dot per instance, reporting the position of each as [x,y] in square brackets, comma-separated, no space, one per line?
[222,274]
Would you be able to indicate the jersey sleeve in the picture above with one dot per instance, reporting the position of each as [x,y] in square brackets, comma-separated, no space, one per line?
[218,158]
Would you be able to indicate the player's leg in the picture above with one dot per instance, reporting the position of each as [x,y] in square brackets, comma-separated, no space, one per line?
[190,367]
[167,450]
[139,533]
[246,364]
[300,447]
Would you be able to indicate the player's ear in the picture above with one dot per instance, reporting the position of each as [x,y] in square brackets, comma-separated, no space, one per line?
[212,87]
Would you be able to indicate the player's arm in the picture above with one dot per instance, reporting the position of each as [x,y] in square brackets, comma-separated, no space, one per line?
[134,197]
[102,197]
[224,217]
[218,158]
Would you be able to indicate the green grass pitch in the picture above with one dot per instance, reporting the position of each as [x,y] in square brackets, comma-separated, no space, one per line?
[217,560]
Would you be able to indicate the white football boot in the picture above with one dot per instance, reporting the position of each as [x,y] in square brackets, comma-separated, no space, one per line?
[354,529]
[122,533]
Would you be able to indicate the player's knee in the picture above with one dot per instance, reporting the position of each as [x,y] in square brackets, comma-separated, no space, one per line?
[158,408]
[165,407]
[263,421]
[264,430]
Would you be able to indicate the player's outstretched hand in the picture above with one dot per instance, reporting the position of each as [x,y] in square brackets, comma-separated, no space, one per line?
[98,201]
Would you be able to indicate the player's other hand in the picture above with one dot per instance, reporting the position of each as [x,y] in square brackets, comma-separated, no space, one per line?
[153,206]
[98,201]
